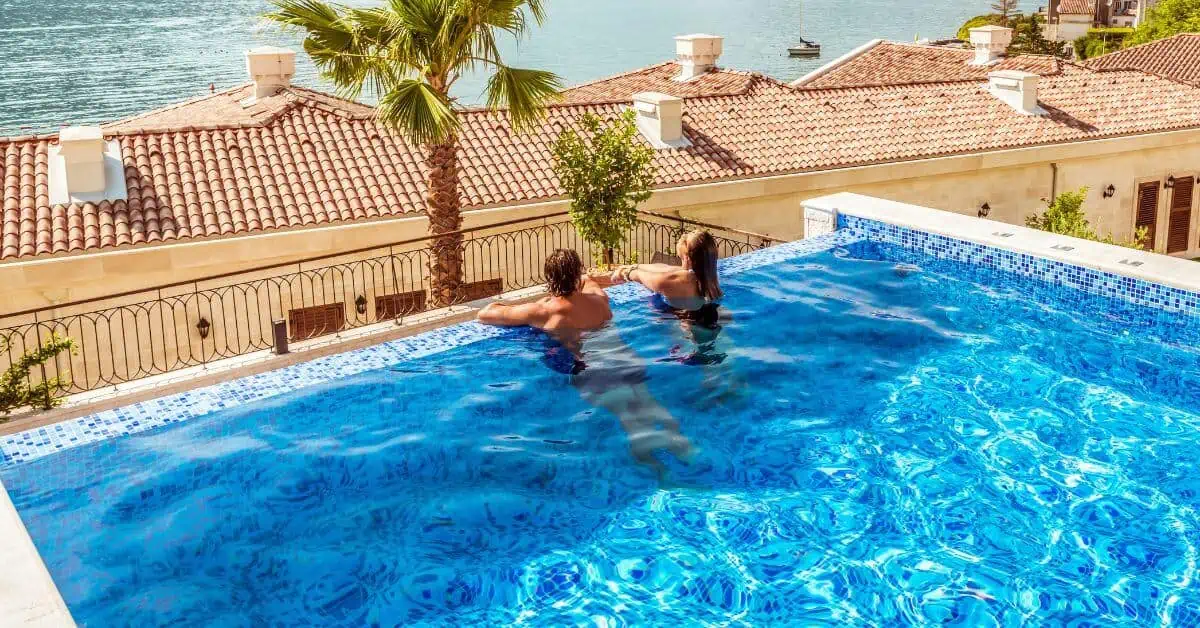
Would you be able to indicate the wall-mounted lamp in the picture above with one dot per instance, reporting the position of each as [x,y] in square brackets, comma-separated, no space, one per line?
[360,304]
[984,210]
[203,326]
[1109,191]
[1170,182]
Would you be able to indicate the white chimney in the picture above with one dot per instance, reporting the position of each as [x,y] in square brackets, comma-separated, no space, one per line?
[697,54]
[271,69]
[990,43]
[82,150]
[1017,89]
[660,119]
[84,167]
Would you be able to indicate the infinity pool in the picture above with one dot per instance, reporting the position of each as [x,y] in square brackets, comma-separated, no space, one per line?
[871,437]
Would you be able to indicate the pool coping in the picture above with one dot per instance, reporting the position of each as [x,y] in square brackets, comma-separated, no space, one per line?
[28,595]
[822,216]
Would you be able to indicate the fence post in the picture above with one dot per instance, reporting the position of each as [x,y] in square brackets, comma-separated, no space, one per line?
[279,328]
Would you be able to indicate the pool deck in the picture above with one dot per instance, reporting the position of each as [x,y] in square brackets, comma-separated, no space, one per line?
[28,596]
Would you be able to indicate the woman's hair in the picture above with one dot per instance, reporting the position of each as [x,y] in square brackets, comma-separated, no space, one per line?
[563,270]
[701,250]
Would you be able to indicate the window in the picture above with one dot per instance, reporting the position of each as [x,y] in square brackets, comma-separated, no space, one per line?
[391,306]
[482,289]
[1180,219]
[1146,211]
[318,320]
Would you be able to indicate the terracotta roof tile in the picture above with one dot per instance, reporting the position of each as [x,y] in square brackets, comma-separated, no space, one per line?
[1077,7]
[1175,57]
[661,78]
[890,63]
[314,164]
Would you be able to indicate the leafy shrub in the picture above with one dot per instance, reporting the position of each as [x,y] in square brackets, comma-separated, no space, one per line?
[1100,41]
[1065,215]
[607,171]
[1167,18]
[15,388]
[964,33]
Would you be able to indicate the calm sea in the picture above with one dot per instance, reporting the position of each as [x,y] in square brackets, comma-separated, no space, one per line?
[85,61]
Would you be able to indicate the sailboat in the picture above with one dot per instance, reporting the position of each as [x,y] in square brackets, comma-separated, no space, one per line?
[804,48]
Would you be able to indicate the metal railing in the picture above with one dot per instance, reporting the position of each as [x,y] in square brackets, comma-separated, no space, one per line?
[128,336]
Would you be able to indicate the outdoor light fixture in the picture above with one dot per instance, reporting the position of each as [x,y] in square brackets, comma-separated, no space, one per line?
[984,210]
[203,326]
[1109,191]
[1170,181]
[360,304]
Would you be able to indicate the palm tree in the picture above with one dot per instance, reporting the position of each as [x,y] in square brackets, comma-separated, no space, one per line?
[410,53]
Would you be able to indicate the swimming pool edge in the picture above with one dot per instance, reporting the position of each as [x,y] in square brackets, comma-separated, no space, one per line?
[28,595]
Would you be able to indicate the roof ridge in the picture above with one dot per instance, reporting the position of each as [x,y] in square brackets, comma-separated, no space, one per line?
[617,76]
[175,105]
[308,90]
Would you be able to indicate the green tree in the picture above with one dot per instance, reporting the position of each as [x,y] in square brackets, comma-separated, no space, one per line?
[1065,215]
[607,171]
[964,32]
[15,388]
[1028,38]
[410,53]
[1167,18]
[1004,8]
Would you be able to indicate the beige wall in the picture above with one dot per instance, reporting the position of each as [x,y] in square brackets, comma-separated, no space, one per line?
[1011,182]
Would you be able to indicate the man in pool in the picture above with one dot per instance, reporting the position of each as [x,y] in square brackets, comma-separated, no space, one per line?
[576,303]
[614,377]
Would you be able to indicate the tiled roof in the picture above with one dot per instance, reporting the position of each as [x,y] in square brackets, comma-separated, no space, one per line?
[1077,7]
[661,78]
[311,161]
[890,63]
[1175,57]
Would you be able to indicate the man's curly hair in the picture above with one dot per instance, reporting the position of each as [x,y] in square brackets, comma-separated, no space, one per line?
[563,270]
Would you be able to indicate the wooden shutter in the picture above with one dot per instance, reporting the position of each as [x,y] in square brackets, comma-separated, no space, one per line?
[1147,210]
[318,320]
[391,306]
[482,289]
[1180,222]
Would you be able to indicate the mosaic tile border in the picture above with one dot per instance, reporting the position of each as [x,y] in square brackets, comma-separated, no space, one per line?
[1101,283]
[154,413]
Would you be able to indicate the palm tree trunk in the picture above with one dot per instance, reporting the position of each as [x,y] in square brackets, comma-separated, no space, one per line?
[443,205]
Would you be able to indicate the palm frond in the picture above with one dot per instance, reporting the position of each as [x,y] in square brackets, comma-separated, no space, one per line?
[414,109]
[524,92]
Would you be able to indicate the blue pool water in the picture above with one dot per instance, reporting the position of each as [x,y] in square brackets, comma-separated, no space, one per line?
[875,439]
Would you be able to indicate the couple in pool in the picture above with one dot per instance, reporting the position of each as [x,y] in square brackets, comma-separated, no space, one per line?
[607,373]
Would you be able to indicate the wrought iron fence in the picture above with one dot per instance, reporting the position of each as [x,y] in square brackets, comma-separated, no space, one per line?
[129,336]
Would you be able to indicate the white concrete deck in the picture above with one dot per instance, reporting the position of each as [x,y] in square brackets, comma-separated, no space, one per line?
[28,596]
[821,213]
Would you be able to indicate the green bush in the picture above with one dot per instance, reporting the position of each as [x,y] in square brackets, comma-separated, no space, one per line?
[1101,41]
[1167,18]
[15,388]
[606,170]
[1065,215]
[964,33]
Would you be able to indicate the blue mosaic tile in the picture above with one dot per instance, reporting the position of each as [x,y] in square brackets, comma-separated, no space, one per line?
[155,413]
[1100,283]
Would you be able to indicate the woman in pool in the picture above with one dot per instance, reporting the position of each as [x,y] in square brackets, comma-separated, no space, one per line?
[691,290]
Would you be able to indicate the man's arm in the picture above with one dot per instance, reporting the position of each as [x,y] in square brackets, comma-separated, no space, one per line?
[504,315]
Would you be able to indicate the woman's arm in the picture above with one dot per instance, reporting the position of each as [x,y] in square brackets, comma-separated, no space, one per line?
[658,277]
